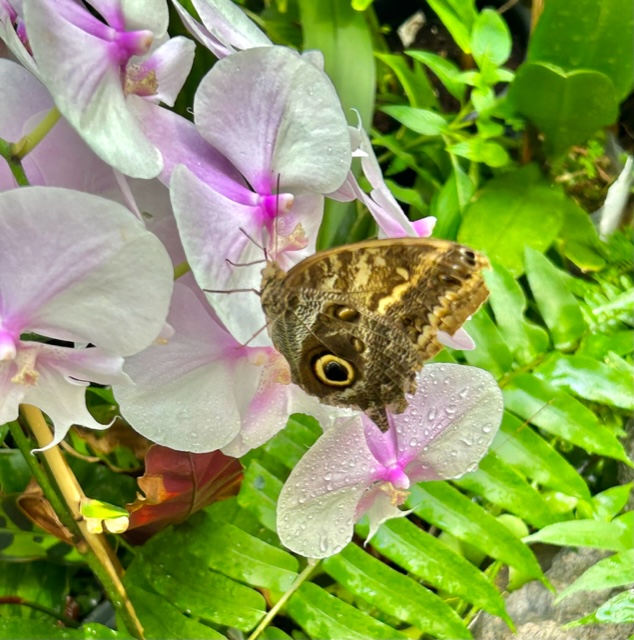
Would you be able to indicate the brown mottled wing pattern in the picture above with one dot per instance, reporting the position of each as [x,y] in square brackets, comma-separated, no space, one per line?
[378,305]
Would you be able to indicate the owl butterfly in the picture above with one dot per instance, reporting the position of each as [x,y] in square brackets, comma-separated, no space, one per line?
[356,323]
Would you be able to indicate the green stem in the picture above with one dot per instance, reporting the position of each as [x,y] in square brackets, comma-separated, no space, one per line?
[26,144]
[100,558]
[301,578]
[15,166]
[181,269]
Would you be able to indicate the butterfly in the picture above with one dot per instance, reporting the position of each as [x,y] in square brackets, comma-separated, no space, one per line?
[357,322]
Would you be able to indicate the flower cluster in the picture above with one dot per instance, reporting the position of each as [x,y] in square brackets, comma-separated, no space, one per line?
[127,191]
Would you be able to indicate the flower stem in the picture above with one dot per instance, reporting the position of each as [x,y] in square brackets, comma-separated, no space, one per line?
[99,556]
[6,152]
[27,143]
[181,269]
[301,578]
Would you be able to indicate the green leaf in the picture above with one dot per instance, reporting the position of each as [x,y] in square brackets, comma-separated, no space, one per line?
[614,536]
[421,121]
[617,610]
[515,210]
[525,450]
[596,35]
[451,199]
[14,472]
[560,414]
[162,619]
[599,345]
[587,378]
[19,629]
[166,566]
[228,549]
[501,485]
[445,70]
[558,307]
[417,87]
[615,571]
[324,616]
[526,340]
[579,240]
[567,107]
[432,561]
[610,502]
[440,504]
[490,39]
[259,492]
[480,150]
[491,352]
[394,593]
[458,16]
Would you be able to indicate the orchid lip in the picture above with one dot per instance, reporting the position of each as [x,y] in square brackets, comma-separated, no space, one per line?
[8,349]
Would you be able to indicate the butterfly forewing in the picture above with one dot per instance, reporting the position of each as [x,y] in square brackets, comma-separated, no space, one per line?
[356,323]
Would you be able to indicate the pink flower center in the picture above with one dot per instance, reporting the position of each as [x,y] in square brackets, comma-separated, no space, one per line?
[8,347]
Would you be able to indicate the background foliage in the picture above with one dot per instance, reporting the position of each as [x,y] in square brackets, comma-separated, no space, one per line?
[501,136]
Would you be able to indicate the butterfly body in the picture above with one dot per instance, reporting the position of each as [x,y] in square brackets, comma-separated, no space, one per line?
[356,323]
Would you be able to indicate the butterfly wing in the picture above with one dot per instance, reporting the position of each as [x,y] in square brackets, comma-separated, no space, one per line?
[356,323]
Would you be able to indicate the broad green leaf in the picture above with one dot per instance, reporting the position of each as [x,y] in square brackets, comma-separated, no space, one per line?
[161,618]
[432,561]
[579,240]
[43,583]
[567,107]
[558,307]
[610,502]
[343,36]
[596,35]
[617,610]
[560,414]
[421,121]
[450,201]
[290,444]
[227,549]
[490,39]
[521,447]
[587,378]
[614,536]
[515,210]
[446,71]
[480,150]
[259,492]
[417,88]
[273,633]
[407,195]
[501,485]
[615,571]
[458,16]
[19,629]
[14,472]
[491,352]
[394,593]
[444,506]
[324,616]
[526,340]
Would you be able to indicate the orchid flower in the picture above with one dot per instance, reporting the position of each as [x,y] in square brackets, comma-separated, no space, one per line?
[61,280]
[277,120]
[224,27]
[199,390]
[107,76]
[355,470]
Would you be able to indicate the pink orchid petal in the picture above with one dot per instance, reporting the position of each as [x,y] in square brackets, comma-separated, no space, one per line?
[182,391]
[8,35]
[317,506]
[76,67]
[11,395]
[209,225]
[257,106]
[73,284]
[450,422]
[140,14]
[459,340]
[170,61]
[378,506]
[226,27]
